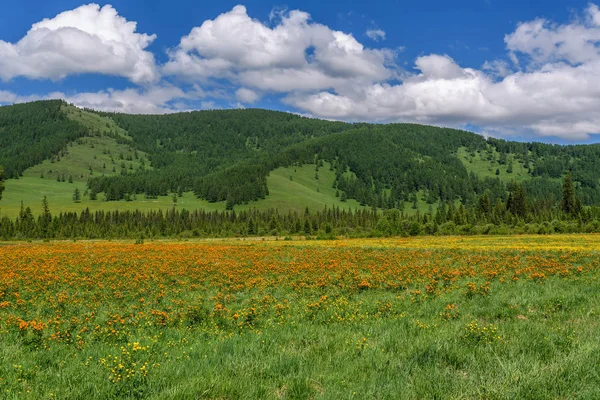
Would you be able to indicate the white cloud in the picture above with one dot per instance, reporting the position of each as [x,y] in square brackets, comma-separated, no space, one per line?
[7,97]
[544,41]
[208,105]
[152,100]
[88,39]
[245,95]
[548,83]
[556,94]
[236,47]
[437,67]
[558,100]
[375,34]
[497,68]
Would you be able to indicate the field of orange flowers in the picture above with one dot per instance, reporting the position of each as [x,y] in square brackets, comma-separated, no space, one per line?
[468,317]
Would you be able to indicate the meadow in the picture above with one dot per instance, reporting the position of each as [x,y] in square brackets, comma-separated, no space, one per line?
[500,317]
[290,189]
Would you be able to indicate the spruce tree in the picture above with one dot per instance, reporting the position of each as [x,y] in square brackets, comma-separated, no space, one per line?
[1,182]
[307,227]
[517,201]
[485,204]
[46,218]
[569,202]
[76,196]
[251,227]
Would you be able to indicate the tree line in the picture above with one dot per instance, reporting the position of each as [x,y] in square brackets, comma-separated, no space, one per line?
[33,132]
[515,215]
[227,155]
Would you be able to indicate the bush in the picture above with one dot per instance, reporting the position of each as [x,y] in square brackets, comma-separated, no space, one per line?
[448,228]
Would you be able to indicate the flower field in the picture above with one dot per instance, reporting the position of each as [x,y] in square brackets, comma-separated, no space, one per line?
[428,317]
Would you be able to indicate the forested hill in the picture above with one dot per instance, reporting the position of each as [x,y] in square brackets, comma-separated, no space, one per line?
[227,155]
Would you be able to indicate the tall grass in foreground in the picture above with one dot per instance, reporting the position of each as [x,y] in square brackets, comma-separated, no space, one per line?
[497,318]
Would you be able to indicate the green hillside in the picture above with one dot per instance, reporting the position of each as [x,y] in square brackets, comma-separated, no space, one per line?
[487,164]
[285,194]
[241,159]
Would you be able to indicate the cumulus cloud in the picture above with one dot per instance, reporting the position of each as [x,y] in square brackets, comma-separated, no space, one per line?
[548,82]
[544,41]
[134,101]
[497,68]
[236,47]
[88,39]
[554,92]
[558,100]
[246,95]
[160,99]
[375,34]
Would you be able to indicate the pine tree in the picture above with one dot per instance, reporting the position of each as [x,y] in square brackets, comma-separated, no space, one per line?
[517,201]
[251,227]
[1,182]
[485,205]
[230,203]
[569,204]
[46,218]
[76,196]
[307,228]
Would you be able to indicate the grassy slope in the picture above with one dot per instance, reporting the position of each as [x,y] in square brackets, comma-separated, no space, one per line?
[101,153]
[484,168]
[94,122]
[284,194]
[302,191]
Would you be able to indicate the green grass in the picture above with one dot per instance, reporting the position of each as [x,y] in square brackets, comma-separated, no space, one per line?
[89,157]
[100,154]
[484,168]
[303,191]
[96,123]
[350,319]
[32,190]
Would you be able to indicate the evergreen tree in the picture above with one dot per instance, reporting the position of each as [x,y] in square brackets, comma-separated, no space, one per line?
[1,181]
[230,203]
[251,227]
[45,219]
[76,196]
[307,228]
[568,203]
[517,201]
[485,205]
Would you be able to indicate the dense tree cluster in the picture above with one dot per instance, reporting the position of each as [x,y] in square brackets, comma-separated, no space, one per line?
[227,155]
[516,215]
[1,181]
[33,132]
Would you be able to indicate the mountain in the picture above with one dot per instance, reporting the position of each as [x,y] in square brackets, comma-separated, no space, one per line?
[258,158]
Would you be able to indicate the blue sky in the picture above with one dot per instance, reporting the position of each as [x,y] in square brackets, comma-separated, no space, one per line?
[523,70]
